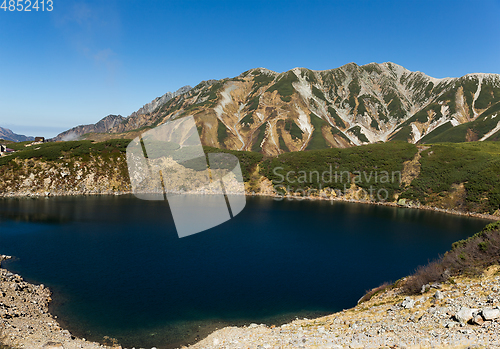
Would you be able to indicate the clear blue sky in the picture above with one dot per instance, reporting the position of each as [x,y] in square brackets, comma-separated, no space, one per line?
[87,59]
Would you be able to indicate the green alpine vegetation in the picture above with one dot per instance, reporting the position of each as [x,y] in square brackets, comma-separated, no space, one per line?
[284,86]
[62,151]
[379,167]
[461,175]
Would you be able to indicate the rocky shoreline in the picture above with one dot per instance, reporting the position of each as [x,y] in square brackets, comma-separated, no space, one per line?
[462,313]
[275,197]
[382,203]
[25,320]
[39,179]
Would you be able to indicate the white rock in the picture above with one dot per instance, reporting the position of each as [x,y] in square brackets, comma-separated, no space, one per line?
[465,314]
[491,314]
[438,295]
[408,303]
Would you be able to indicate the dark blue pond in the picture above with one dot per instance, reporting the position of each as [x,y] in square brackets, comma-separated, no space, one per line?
[118,269]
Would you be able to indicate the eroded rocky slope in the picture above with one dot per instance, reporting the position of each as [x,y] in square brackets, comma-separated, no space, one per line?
[34,177]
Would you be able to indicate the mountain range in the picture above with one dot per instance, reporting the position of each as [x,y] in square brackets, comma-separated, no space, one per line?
[302,109]
[8,135]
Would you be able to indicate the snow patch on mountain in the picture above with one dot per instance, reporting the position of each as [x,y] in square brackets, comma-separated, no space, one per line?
[225,100]
[476,95]
[415,132]
[271,133]
[303,88]
[303,122]
[445,110]
[492,132]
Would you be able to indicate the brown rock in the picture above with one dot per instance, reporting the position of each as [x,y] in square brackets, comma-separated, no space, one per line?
[478,320]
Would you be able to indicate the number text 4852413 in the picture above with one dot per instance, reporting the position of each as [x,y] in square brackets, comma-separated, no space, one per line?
[27,5]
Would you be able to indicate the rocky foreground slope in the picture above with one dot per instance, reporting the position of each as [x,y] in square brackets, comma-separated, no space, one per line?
[461,314]
[452,302]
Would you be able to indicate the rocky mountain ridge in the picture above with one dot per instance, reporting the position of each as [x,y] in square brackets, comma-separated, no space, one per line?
[303,109]
[103,126]
[113,121]
[159,101]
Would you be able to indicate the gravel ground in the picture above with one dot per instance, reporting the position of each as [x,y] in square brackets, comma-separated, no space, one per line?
[25,321]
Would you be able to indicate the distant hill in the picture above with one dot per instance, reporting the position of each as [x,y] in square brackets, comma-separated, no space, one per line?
[7,134]
[103,126]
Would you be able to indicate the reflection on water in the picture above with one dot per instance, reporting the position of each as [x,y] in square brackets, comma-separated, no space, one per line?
[117,267]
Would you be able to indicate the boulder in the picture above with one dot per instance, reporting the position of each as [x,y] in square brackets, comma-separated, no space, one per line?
[425,288]
[491,314]
[438,295]
[408,303]
[465,314]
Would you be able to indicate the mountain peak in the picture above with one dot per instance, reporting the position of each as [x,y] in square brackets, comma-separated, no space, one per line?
[102,126]
[259,70]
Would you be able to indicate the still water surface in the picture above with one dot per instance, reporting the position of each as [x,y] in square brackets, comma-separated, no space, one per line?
[118,269]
